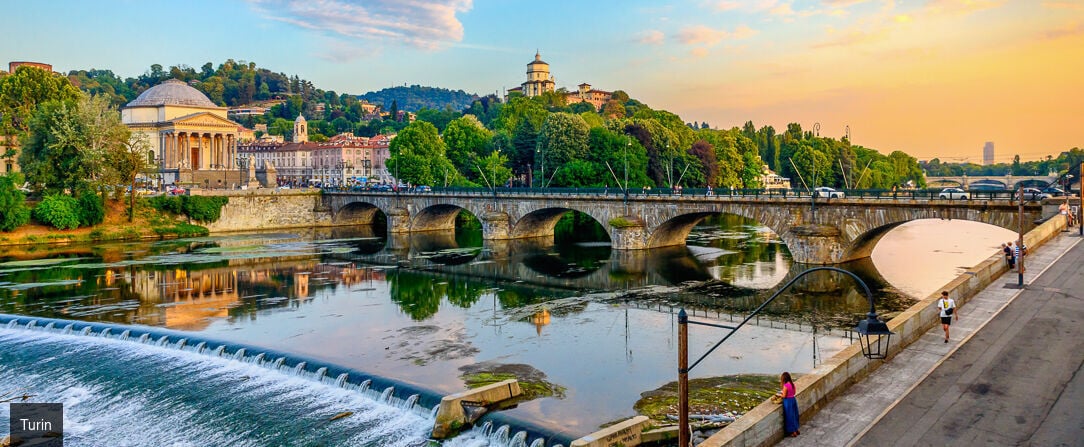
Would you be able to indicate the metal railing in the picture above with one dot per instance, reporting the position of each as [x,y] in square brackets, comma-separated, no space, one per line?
[700,193]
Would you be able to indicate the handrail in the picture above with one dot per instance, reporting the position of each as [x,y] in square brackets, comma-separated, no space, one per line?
[869,295]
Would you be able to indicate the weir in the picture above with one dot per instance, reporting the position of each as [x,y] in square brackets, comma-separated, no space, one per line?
[403,396]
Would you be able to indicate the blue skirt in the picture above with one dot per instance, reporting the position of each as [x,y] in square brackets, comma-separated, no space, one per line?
[790,415]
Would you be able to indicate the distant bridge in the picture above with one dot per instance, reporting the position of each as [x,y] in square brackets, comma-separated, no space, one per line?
[1005,181]
[831,231]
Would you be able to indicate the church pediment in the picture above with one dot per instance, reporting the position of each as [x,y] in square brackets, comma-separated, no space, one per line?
[203,119]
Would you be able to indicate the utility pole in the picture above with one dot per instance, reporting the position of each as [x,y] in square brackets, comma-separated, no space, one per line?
[1020,241]
[683,379]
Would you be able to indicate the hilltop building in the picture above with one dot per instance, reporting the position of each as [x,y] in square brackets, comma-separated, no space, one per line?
[16,64]
[988,153]
[539,81]
[190,138]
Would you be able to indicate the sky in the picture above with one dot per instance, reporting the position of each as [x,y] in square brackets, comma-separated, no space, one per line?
[933,78]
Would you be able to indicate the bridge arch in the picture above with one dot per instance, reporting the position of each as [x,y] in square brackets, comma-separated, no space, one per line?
[436,217]
[356,213]
[542,222]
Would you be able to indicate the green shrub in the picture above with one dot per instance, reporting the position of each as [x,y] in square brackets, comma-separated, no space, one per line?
[197,208]
[204,208]
[96,234]
[91,210]
[167,204]
[59,211]
[13,210]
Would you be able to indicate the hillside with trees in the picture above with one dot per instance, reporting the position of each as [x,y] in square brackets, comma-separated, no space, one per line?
[417,97]
[468,140]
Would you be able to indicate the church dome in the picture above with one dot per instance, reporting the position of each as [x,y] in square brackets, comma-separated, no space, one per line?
[172,92]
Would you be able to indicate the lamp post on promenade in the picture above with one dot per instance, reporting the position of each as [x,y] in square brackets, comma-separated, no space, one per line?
[1020,240]
[873,336]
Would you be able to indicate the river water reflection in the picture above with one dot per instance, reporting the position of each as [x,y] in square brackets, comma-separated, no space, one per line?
[418,309]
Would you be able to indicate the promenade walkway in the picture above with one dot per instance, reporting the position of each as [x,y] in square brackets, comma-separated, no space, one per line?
[1008,375]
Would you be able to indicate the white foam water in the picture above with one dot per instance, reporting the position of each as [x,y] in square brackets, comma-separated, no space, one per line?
[122,393]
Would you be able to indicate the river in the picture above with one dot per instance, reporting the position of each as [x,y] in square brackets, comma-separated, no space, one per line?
[425,310]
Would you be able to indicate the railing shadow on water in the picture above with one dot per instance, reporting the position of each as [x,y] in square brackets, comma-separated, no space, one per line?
[400,395]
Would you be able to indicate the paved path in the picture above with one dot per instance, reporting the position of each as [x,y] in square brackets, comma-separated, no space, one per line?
[1006,377]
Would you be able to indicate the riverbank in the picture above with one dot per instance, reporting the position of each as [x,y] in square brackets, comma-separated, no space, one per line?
[147,224]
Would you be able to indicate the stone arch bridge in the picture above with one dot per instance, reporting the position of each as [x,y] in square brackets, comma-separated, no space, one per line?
[831,231]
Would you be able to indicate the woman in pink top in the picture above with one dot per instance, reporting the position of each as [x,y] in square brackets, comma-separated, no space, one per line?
[790,405]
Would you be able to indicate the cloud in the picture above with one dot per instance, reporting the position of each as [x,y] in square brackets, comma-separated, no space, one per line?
[1070,29]
[1073,6]
[746,5]
[902,18]
[960,7]
[842,3]
[782,10]
[703,35]
[699,52]
[429,25]
[700,34]
[651,37]
[853,37]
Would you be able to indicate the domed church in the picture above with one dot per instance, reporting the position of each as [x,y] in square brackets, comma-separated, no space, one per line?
[191,139]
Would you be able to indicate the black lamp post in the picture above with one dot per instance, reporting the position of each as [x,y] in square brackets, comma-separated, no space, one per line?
[341,166]
[873,334]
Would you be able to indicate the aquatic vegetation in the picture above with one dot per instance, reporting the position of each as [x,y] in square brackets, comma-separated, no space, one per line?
[735,394]
[532,382]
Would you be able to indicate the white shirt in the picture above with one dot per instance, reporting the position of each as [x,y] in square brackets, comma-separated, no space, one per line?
[946,303]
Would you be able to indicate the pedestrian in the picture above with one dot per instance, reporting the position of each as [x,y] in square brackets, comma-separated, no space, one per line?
[1063,209]
[947,307]
[1009,255]
[790,405]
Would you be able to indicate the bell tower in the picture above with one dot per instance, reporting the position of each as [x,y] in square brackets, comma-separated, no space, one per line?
[301,129]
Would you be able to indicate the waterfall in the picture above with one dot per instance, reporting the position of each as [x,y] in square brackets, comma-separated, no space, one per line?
[504,436]
[519,440]
[385,397]
[501,435]
[409,404]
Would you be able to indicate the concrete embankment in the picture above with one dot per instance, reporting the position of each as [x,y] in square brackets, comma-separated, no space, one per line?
[764,424]
[269,209]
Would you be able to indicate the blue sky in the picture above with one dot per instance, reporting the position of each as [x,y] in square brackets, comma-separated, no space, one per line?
[930,77]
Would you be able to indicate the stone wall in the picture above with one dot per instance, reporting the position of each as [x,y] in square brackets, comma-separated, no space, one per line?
[268,209]
[763,425]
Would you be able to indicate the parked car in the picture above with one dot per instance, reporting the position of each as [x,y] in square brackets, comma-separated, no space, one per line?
[423,188]
[174,190]
[1034,194]
[953,194]
[830,193]
[1054,191]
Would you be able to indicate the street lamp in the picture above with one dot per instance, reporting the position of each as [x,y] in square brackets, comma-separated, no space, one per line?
[873,336]
[341,166]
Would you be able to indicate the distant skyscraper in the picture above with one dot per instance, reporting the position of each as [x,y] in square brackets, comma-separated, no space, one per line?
[988,153]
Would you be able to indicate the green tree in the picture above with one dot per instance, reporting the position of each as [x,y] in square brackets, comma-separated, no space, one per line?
[13,210]
[561,139]
[493,170]
[418,155]
[466,140]
[23,91]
